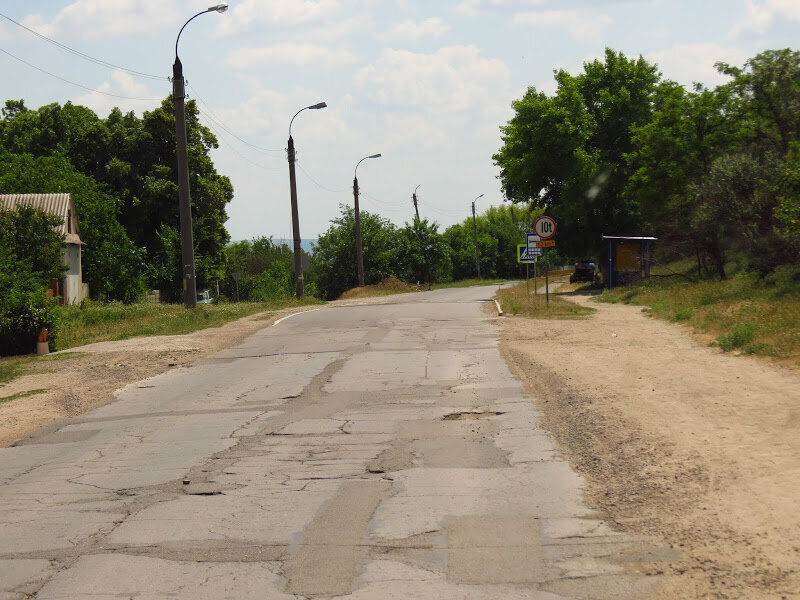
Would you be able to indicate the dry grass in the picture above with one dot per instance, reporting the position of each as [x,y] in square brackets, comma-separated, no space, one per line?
[387,287]
[744,314]
[520,300]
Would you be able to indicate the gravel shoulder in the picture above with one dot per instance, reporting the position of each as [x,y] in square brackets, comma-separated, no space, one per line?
[675,440]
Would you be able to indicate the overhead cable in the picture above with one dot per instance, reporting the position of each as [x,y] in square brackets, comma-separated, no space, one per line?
[94,91]
[96,61]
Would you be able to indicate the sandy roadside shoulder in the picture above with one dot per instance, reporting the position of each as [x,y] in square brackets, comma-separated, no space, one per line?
[675,440]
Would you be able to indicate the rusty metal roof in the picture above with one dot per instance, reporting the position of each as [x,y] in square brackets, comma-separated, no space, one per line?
[59,205]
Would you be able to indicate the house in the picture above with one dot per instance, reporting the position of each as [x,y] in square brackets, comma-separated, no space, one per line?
[71,288]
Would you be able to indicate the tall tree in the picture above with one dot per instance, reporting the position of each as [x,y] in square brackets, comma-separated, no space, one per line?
[566,153]
[333,263]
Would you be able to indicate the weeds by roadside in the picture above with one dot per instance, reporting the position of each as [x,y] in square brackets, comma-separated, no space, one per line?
[517,301]
[95,322]
[746,313]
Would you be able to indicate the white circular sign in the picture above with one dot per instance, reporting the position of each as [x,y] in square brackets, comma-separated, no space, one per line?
[545,227]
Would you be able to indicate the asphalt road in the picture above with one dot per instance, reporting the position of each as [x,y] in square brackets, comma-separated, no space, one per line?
[369,452]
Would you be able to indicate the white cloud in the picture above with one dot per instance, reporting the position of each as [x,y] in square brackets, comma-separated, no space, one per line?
[94,19]
[453,78]
[761,16]
[584,27]
[333,31]
[289,53]
[471,8]
[277,13]
[690,63]
[409,30]
[127,96]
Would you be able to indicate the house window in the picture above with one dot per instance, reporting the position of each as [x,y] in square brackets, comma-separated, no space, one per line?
[69,221]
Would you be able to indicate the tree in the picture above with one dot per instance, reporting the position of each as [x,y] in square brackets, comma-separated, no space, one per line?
[422,253]
[333,263]
[566,153]
[264,270]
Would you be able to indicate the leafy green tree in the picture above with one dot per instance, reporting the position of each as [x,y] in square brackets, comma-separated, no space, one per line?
[333,263]
[566,153]
[422,253]
[258,263]
[787,211]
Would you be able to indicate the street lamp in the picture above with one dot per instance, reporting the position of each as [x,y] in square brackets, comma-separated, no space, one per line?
[184,199]
[475,227]
[359,251]
[414,198]
[298,257]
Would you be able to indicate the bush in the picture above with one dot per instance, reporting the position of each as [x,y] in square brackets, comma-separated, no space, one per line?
[25,310]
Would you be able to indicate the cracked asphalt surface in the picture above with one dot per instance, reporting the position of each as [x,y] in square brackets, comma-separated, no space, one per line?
[368,452]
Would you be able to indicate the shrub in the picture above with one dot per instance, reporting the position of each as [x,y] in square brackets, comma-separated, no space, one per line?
[25,310]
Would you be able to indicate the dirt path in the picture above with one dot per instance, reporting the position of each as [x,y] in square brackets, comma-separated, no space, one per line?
[676,440]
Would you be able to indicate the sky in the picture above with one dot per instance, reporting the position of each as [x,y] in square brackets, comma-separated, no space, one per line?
[425,83]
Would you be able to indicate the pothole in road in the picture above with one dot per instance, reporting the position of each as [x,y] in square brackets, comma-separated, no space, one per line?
[470,416]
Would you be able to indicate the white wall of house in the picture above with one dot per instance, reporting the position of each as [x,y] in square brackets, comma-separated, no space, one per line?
[73,280]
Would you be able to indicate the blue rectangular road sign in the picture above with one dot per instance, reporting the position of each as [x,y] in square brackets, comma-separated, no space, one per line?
[527,255]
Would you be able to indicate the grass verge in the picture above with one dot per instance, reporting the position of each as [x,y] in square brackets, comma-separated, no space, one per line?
[745,313]
[19,395]
[95,322]
[11,367]
[517,300]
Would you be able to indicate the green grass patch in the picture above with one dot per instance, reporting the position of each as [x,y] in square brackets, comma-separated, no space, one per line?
[745,313]
[515,300]
[17,396]
[11,367]
[96,322]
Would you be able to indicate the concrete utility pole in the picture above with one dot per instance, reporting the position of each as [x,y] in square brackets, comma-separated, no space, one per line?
[298,252]
[184,197]
[359,250]
[475,228]
[414,198]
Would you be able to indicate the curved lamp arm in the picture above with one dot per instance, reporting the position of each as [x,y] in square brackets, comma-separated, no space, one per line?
[355,171]
[220,8]
[316,106]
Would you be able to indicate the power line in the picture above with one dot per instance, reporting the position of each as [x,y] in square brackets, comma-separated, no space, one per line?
[221,125]
[32,66]
[80,54]
[230,146]
[318,184]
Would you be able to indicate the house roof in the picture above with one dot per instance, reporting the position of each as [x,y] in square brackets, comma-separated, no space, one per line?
[59,205]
